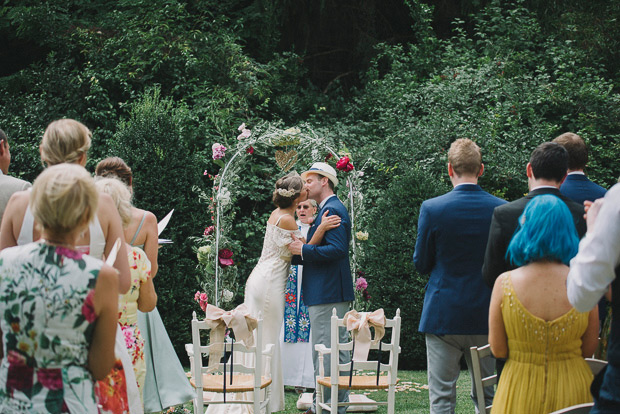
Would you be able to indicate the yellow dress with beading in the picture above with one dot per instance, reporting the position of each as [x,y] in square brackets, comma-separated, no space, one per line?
[545,370]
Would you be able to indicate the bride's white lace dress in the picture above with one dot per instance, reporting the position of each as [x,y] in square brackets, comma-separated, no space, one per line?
[264,293]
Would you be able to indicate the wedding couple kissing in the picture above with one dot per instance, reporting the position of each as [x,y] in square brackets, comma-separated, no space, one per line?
[326,282]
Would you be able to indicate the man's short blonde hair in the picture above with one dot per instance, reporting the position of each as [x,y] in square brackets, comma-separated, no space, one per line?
[465,158]
[120,194]
[64,140]
[63,198]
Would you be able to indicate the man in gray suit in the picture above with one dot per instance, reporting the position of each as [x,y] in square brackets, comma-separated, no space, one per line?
[8,185]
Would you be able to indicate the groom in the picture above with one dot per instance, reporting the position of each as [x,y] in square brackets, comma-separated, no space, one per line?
[326,282]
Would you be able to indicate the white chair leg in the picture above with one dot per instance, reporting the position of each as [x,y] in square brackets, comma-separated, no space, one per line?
[334,399]
[257,400]
[391,398]
[319,398]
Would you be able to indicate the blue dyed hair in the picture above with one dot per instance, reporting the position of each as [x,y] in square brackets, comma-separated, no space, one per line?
[546,232]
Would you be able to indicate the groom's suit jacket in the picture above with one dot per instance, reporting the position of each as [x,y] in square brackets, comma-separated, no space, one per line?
[504,225]
[452,235]
[327,271]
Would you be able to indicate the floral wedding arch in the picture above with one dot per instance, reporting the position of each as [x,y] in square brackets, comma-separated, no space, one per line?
[215,260]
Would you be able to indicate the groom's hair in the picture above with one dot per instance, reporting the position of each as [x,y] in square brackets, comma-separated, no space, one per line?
[465,158]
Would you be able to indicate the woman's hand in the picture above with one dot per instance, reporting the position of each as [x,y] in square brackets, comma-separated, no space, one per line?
[329,222]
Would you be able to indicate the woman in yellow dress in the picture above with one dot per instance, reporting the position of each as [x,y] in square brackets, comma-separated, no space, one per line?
[531,322]
[141,295]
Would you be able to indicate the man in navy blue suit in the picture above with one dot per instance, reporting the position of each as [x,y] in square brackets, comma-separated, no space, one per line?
[327,282]
[577,186]
[452,234]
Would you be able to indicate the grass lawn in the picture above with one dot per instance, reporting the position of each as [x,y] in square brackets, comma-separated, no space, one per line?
[411,395]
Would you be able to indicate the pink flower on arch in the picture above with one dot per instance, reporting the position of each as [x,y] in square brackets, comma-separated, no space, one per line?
[360,284]
[219,151]
[225,257]
[344,164]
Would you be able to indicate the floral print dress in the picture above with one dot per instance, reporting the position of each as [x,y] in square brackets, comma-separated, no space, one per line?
[47,319]
[140,268]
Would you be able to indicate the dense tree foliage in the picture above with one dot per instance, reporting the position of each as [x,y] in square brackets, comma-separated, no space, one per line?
[391,82]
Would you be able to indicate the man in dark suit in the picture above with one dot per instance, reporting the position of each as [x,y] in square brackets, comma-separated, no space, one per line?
[452,236]
[577,186]
[8,185]
[545,173]
[327,282]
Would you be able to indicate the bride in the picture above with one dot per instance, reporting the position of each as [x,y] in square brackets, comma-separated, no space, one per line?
[264,289]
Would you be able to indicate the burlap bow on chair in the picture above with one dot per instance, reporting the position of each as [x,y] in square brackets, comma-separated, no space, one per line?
[238,320]
[359,323]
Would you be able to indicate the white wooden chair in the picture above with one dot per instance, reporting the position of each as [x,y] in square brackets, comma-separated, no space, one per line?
[245,379]
[477,353]
[576,409]
[358,381]
[596,365]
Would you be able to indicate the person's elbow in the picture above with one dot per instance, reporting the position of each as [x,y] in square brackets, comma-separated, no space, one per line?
[147,303]
[498,350]
[100,366]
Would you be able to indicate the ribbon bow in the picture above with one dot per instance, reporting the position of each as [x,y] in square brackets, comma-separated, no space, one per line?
[238,320]
[359,324]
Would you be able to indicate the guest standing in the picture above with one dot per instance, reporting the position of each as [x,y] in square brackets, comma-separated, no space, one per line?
[141,295]
[452,236]
[531,321]
[8,185]
[165,384]
[58,306]
[591,274]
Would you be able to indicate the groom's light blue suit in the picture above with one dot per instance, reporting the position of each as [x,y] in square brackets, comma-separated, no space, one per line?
[327,282]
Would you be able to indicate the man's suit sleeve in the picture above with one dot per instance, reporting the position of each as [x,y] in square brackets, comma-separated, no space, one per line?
[335,243]
[424,254]
[494,262]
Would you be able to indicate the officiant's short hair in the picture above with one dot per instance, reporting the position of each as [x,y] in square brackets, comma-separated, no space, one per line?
[465,157]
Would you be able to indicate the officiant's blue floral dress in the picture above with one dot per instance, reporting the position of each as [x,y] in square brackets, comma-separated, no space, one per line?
[47,319]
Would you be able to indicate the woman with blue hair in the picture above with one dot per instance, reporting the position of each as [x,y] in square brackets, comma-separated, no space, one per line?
[532,323]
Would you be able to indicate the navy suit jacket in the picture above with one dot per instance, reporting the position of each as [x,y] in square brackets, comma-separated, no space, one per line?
[579,188]
[452,235]
[327,272]
[505,223]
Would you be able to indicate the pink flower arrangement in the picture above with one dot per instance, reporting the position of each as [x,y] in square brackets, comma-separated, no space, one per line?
[225,257]
[344,164]
[360,284]
[244,132]
[219,151]
[208,230]
[202,300]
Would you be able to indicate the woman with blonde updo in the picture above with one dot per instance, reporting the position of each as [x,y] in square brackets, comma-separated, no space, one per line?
[141,295]
[264,289]
[165,384]
[67,140]
[58,307]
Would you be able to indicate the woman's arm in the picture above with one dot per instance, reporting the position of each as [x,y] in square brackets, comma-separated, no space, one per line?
[327,223]
[151,245]
[497,330]
[148,298]
[589,340]
[101,353]
[15,209]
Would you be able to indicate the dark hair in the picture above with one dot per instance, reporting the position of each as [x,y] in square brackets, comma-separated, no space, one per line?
[3,136]
[291,182]
[549,161]
[546,232]
[115,167]
[577,150]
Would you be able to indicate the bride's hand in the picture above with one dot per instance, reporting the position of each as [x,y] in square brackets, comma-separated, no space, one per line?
[329,222]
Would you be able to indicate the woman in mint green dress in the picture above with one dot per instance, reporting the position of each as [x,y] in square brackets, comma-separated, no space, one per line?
[58,307]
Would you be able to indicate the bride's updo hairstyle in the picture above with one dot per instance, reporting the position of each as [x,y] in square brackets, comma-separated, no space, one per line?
[64,141]
[63,198]
[288,188]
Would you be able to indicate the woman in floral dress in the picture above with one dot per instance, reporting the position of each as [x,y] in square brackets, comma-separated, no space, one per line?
[58,307]
[141,295]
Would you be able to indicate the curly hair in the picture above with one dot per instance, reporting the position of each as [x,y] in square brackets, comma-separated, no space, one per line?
[288,188]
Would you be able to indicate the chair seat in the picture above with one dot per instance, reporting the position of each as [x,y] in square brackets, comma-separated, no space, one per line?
[241,383]
[359,382]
